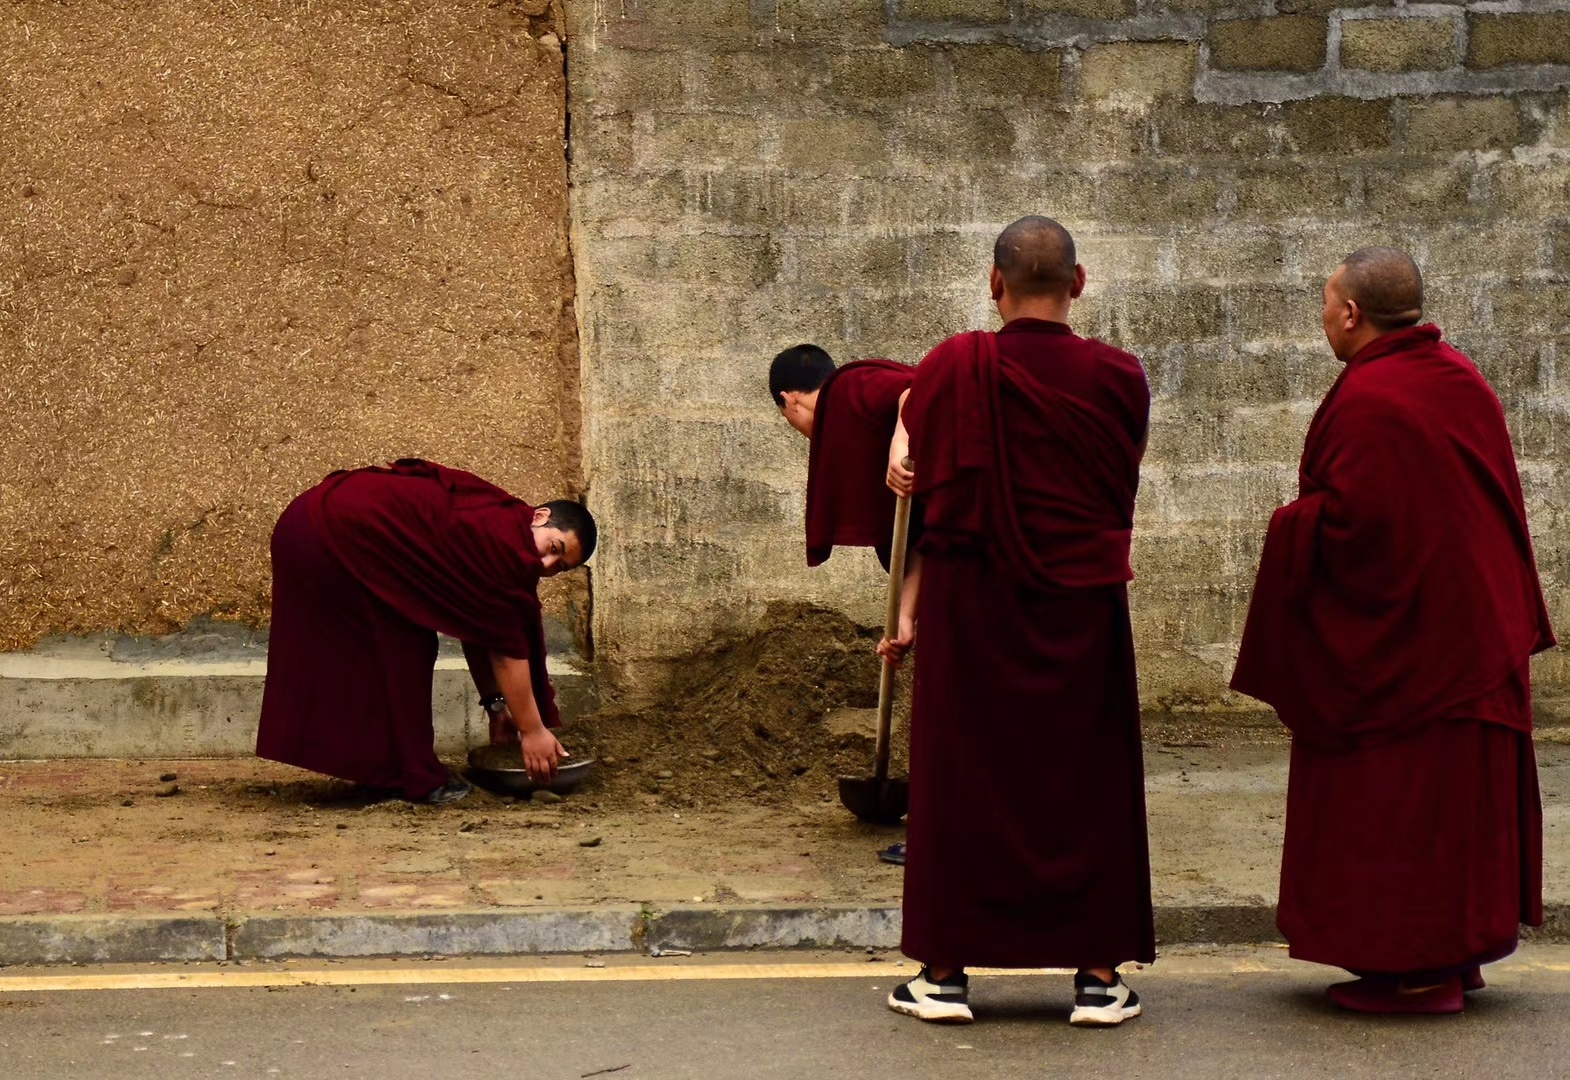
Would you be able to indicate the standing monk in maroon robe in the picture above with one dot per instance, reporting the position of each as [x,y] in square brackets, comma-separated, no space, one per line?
[1027,822]
[849,414]
[1396,606]
[367,567]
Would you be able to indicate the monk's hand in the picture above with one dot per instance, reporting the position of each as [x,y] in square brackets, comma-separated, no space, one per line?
[901,481]
[541,752]
[893,652]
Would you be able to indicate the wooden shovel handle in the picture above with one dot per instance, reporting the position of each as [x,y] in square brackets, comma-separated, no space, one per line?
[891,629]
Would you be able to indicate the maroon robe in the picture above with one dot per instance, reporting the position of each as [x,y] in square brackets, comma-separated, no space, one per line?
[1027,825]
[1396,606]
[367,567]
[849,503]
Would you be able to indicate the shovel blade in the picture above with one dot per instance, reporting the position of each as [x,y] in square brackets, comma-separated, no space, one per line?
[878,802]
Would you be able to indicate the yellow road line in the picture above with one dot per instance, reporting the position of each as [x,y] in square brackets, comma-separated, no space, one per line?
[459,976]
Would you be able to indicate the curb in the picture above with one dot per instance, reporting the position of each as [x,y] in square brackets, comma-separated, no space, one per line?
[147,939]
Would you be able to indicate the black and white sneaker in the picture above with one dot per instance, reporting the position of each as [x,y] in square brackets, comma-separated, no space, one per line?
[937,1003]
[1100,1004]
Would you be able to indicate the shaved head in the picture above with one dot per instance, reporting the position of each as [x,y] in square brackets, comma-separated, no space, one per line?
[1036,257]
[1386,284]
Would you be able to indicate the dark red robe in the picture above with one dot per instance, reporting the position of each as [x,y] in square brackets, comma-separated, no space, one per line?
[1027,825]
[367,567]
[848,502]
[1396,606]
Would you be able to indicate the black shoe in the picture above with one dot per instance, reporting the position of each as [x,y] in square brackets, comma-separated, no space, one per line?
[894,853]
[936,1003]
[1103,1004]
[450,792]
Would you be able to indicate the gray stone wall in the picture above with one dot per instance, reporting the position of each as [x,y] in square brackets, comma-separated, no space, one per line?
[747,175]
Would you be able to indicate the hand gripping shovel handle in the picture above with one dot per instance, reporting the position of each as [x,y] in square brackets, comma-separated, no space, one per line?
[891,631]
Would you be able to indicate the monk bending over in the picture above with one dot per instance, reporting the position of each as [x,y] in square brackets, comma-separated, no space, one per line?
[1027,823]
[1396,607]
[367,567]
[849,413]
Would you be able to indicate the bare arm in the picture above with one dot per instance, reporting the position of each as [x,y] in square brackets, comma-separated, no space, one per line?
[541,751]
[900,479]
[894,651]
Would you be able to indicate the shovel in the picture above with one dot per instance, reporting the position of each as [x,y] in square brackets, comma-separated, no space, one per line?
[876,798]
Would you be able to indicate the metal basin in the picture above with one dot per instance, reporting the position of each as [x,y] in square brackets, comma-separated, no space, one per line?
[500,769]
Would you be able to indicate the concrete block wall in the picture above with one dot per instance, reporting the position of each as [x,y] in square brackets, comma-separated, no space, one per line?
[748,174]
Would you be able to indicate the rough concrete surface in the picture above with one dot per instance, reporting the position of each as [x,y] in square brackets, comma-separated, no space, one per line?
[244,245]
[255,861]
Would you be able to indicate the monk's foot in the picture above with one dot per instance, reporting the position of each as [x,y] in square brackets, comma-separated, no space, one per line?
[947,1002]
[1472,979]
[894,853]
[1389,997]
[450,792]
[1098,1003]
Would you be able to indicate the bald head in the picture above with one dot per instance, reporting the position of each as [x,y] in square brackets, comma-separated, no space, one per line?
[1036,257]
[1385,284]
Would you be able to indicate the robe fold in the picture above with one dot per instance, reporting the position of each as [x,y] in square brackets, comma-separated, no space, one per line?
[848,502]
[1027,838]
[1396,606]
[367,567]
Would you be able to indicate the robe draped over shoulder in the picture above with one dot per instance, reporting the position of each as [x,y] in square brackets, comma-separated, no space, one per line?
[1400,585]
[848,503]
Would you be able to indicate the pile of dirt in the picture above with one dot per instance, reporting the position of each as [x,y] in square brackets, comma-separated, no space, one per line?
[775,717]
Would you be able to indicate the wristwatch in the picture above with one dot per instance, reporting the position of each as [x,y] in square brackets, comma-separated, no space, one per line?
[495,704]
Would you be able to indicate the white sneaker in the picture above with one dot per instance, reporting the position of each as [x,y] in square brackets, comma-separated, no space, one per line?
[1096,1003]
[936,1003]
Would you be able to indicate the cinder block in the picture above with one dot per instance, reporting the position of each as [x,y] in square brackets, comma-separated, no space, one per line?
[1533,187]
[1288,190]
[602,145]
[1184,130]
[836,145]
[1079,137]
[1156,197]
[1469,123]
[1121,258]
[658,24]
[1288,43]
[682,140]
[1500,40]
[1522,309]
[1559,248]
[631,206]
[961,11]
[876,74]
[1510,249]
[831,21]
[1105,10]
[1217,256]
[1158,316]
[1132,73]
[1335,125]
[876,262]
[959,139]
[1399,45]
[1001,71]
[748,78]
[1401,192]
[621,79]
[698,257]
[1276,312]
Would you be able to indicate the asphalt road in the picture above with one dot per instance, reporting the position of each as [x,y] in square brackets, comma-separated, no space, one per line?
[1233,1013]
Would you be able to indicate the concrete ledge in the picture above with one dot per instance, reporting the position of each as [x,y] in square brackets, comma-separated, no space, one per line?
[471,933]
[714,929]
[110,939]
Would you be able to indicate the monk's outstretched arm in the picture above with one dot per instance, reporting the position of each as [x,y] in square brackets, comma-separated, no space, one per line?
[894,651]
[541,751]
[900,479]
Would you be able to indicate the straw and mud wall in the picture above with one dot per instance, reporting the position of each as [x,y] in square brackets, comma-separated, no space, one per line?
[242,245]
[748,175]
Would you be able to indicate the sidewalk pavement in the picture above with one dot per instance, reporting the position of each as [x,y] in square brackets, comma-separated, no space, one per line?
[105,862]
